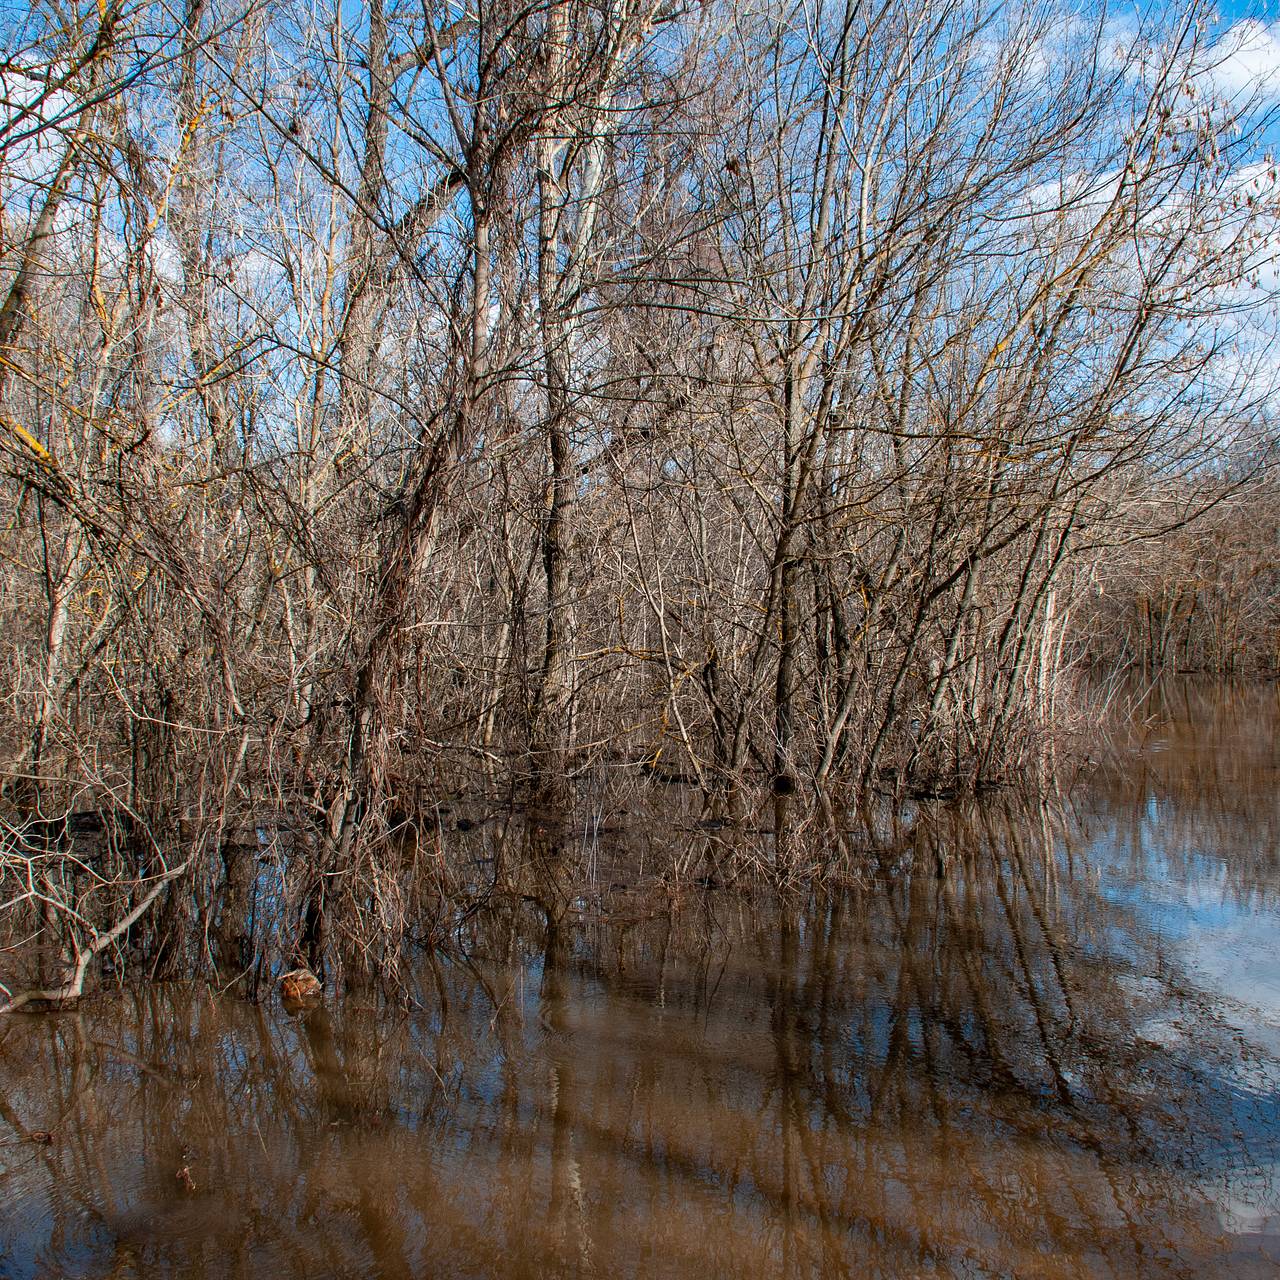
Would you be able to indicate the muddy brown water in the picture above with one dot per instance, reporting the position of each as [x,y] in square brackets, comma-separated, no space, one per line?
[1057,1058]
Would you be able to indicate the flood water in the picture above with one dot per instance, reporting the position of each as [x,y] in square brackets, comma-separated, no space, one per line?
[1041,1041]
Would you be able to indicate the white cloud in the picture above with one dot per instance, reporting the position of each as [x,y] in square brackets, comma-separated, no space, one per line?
[1245,60]
[31,143]
[1078,191]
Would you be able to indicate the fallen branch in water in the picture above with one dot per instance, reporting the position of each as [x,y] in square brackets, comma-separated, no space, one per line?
[70,991]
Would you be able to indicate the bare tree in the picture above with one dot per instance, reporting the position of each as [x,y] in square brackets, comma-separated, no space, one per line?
[539,399]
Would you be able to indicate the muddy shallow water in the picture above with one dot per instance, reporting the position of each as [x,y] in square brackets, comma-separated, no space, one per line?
[1042,1041]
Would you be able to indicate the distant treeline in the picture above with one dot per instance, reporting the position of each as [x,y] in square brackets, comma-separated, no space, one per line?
[1204,596]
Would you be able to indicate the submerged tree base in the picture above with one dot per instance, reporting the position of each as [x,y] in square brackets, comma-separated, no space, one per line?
[628,843]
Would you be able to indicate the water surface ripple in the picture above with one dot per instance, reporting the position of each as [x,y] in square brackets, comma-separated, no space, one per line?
[1042,1042]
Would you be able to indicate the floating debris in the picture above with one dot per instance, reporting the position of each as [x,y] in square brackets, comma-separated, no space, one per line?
[300,984]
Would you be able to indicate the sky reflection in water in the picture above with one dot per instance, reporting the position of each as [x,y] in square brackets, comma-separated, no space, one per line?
[1058,1059]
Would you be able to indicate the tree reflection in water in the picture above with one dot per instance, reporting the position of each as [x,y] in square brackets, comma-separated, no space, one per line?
[992,1059]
